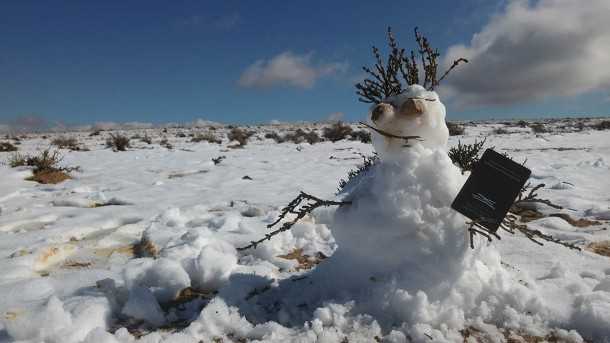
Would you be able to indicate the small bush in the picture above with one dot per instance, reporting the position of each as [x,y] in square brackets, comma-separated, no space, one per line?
[66,143]
[361,135]
[466,156]
[522,123]
[165,143]
[206,137]
[181,135]
[7,147]
[46,168]
[500,131]
[300,136]
[273,135]
[538,128]
[239,135]
[95,133]
[337,132]
[603,125]
[146,139]
[118,142]
[455,129]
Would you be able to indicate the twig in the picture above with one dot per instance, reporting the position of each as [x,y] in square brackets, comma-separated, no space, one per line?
[390,135]
[455,64]
[477,229]
[532,197]
[293,208]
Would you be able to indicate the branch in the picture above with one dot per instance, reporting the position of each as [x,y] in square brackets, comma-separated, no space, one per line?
[532,197]
[390,135]
[455,64]
[293,208]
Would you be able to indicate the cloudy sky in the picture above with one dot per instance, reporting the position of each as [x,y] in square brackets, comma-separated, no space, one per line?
[78,62]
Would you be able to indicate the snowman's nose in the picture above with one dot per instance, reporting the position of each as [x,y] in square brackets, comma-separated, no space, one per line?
[412,107]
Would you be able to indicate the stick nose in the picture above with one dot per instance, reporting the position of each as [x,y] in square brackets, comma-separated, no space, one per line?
[413,107]
[379,111]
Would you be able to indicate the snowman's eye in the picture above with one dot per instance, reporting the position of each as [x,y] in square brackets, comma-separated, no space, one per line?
[379,110]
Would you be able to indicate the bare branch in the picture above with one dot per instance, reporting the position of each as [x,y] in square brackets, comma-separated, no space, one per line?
[387,134]
[455,64]
[293,208]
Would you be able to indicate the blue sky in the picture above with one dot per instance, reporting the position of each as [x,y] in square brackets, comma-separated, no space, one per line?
[80,62]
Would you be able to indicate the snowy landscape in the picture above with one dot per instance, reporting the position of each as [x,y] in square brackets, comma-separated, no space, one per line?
[142,244]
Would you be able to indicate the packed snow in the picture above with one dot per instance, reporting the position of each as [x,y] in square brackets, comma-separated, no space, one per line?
[142,245]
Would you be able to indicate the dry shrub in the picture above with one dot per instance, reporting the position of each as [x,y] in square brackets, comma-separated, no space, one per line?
[300,136]
[538,128]
[95,133]
[49,177]
[118,142]
[455,129]
[600,248]
[7,147]
[274,135]
[337,132]
[146,139]
[206,137]
[361,135]
[239,135]
[46,168]
[603,125]
[63,142]
[165,143]
[500,131]
[466,156]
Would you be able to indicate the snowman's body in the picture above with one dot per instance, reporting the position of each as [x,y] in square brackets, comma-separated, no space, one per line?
[399,225]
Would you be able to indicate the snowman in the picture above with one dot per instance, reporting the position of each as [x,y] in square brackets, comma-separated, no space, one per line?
[403,253]
[399,227]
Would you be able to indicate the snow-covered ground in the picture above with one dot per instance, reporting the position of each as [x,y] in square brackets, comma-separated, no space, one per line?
[142,245]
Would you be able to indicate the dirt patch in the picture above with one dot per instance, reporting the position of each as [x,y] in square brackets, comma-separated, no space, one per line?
[526,215]
[49,177]
[580,222]
[187,295]
[75,264]
[600,248]
[305,261]
[145,248]
[471,334]
[125,250]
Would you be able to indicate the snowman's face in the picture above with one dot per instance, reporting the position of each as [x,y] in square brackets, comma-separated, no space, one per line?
[414,112]
[408,109]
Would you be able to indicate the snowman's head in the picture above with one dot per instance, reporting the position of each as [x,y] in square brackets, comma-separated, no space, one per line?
[414,112]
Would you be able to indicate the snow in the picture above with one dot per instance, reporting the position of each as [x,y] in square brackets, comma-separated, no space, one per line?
[398,264]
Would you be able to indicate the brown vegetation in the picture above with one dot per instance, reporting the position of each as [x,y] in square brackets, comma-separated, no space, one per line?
[7,147]
[118,142]
[600,248]
[239,135]
[455,129]
[46,167]
[206,137]
[337,132]
[66,143]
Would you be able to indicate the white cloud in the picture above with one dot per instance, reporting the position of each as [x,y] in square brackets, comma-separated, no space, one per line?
[532,51]
[288,69]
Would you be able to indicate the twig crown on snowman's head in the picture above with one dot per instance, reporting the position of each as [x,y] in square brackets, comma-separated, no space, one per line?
[387,77]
